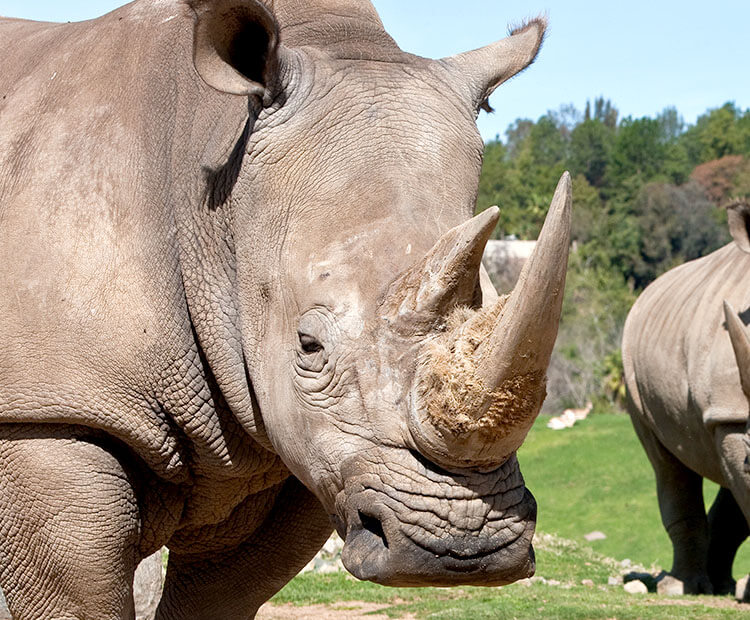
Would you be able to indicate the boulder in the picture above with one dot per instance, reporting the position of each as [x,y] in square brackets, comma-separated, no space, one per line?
[504,260]
[667,585]
[147,586]
[635,587]
[742,593]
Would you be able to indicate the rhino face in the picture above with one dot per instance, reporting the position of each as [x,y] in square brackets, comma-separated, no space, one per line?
[391,383]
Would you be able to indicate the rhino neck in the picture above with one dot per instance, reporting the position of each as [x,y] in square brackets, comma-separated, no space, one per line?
[344,28]
[202,145]
[207,254]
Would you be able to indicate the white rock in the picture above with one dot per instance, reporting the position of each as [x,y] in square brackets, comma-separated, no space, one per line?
[526,583]
[504,261]
[669,586]
[327,569]
[635,587]
[331,546]
[592,536]
[742,593]
[147,586]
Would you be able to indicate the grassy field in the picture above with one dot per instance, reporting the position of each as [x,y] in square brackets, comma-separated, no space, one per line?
[559,595]
[596,477]
[593,477]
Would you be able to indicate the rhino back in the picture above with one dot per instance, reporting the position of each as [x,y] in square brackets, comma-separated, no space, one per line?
[96,331]
[679,365]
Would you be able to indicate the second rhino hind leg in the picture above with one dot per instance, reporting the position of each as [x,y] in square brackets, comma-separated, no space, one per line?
[69,527]
[728,529]
[680,493]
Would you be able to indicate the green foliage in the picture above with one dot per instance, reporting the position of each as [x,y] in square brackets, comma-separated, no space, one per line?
[718,133]
[682,226]
[646,192]
[591,151]
[596,303]
[515,602]
[639,150]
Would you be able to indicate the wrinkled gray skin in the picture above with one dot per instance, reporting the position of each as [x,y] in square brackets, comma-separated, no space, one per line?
[687,404]
[220,262]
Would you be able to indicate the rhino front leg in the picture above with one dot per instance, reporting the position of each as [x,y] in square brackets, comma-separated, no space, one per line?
[727,531]
[69,527]
[232,585]
[680,493]
[731,446]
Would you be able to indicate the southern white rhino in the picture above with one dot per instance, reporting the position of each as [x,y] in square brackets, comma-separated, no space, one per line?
[241,304]
[687,369]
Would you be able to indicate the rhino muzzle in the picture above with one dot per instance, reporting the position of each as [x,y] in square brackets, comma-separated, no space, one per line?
[409,524]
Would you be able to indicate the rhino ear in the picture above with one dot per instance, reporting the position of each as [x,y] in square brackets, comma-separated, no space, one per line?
[488,67]
[235,45]
[739,223]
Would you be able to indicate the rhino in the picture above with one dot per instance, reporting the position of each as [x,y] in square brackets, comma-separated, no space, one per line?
[687,395]
[242,305]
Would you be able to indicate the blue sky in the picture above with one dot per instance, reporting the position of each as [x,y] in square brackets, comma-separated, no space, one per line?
[645,55]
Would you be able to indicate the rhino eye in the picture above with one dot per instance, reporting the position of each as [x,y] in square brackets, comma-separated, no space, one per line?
[309,344]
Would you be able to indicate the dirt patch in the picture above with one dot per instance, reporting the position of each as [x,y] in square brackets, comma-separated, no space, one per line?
[350,610]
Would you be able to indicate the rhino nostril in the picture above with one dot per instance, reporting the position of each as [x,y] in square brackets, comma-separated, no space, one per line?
[374,526]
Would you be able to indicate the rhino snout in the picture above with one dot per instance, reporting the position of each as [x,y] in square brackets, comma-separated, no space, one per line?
[407,525]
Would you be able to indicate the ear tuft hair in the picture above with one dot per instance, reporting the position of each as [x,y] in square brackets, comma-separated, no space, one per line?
[540,23]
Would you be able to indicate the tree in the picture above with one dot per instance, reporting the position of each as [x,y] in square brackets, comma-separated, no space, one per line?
[672,124]
[717,134]
[675,224]
[516,135]
[638,151]
[591,145]
[720,178]
[636,214]
[605,112]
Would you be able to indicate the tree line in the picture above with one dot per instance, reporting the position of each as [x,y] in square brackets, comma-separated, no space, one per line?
[647,197]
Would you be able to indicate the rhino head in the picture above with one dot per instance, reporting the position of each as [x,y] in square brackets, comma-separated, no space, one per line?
[741,345]
[386,373]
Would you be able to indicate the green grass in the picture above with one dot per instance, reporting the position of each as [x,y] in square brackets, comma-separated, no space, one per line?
[594,476]
[566,563]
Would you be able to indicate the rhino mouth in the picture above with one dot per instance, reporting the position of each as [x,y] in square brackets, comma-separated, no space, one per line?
[409,523]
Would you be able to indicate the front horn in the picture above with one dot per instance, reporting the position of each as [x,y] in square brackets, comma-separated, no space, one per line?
[481,385]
